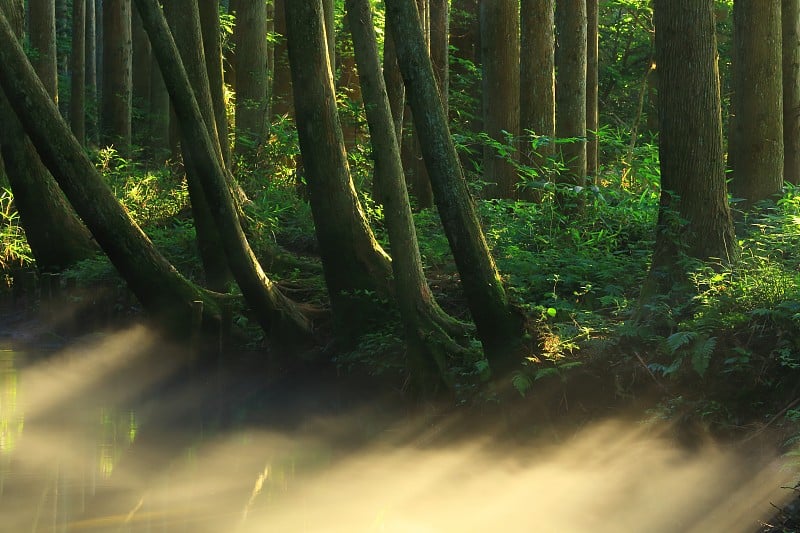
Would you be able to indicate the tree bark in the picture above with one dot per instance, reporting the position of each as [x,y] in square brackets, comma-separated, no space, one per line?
[42,35]
[77,101]
[352,259]
[158,140]
[790,17]
[690,144]
[440,48]
[755,146]
[537,83]
[251,75]
[282,95]
[91,72]
[500,65]
[57,237]
[429,330]
[185,26]
[570,61]
[212,47]
[117,80]
[592,76]
[277,315]
[160,288]
[499,325]
[140,78]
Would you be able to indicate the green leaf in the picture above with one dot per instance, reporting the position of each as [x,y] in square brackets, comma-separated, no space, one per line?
[551,312]
[522,383]
[679,339]
[701,354]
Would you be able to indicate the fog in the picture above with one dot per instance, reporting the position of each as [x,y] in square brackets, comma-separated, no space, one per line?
[102,437]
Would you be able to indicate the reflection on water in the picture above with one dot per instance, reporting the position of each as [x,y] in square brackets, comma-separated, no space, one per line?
[111,441]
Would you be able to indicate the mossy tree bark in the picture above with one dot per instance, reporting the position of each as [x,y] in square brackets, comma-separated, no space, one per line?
[755,143]
[500,65]
[212,47]
[158,286]
[352,259]
[56,235]
[500,326]
[690,144]
[42,34]
[429,330]
[276,314]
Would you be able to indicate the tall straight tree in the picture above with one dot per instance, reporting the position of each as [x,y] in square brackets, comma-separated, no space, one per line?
[690,147]
[77,101]
[537,103]
[429,330]
[250,41]
[91,71]
[500,64]
[55,234]
[440,47]
[115,112]
[571,87]
[592,77]
[755,145]
[499,325]
[42,34]
[352,259]
[141,70]
[790,19]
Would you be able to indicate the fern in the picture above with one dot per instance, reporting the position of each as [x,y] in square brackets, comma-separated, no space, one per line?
[702,349]
[680,339]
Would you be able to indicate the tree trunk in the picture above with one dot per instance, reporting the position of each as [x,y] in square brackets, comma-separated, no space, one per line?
[282,94]
[212,47]
[185,26]
[440,48]
[396,92]
[429,330]
[690,147]
[500,65]
[160,288]
[77,101]
[592,73]
[352,259]
[42,35]
[158,141]
[141,71]
[251,76]
[570,60]
[57,237]
[115,113]
[499,325]
[91,72]
[276,314]
[537,105]
[755,146]
[790,16]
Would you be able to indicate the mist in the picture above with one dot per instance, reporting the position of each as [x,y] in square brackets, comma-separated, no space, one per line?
[103,437]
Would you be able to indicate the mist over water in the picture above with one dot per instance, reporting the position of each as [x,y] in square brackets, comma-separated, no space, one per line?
[100,437]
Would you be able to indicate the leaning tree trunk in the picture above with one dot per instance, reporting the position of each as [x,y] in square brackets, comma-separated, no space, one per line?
[755,145]
[55,234]
[276,314]
[158,286]
[570,61]
[352,259]
[429,330]
[790,19]
[500,326]
[500,65]
[185,26]
[690,144]
[212,47]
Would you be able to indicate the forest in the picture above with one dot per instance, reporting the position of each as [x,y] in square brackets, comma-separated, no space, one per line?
[567,207]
